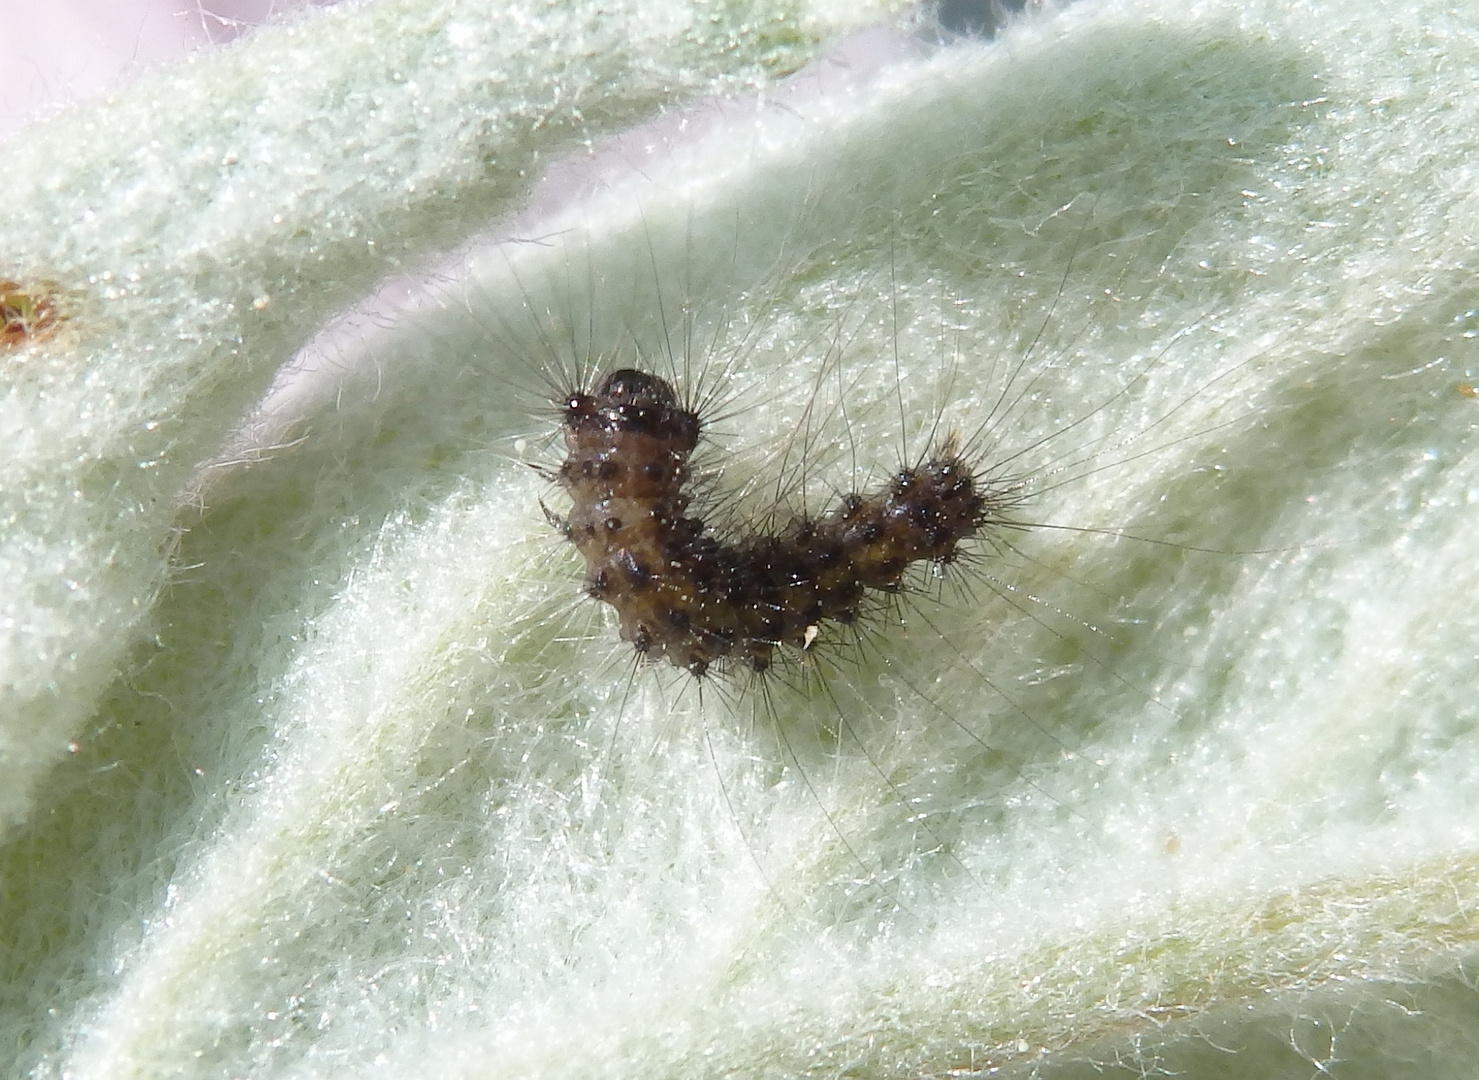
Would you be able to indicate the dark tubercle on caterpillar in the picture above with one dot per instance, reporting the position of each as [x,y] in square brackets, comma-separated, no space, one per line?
[706,602]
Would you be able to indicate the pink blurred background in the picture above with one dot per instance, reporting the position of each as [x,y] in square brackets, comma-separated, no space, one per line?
[56,51]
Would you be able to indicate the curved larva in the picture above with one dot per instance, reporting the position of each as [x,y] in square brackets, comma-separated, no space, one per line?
[690,595]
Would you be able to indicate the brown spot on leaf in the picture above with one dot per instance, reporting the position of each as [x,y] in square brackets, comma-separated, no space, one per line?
[25,313]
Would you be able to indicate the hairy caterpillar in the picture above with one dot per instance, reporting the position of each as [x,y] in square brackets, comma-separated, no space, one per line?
[695,598]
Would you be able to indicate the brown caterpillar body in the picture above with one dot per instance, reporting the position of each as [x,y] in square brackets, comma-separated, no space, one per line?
[696,599]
